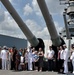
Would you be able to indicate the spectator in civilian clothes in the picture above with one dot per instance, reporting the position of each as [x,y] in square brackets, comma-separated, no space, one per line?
[60,59]
[22,61]
[36,60]
[9,58]
[33,58]
[50,56]
[17,60]
[40,61]
[26,59]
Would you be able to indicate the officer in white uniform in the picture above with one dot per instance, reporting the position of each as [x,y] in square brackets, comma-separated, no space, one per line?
[66,56]
[4,58]
[72,58]
[29,58]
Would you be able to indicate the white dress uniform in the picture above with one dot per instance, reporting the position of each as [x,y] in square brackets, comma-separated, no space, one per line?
[29,59]
[72,58]
[4,59]
[66,56]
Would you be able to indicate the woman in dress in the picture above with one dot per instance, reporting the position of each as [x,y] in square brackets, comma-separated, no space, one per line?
[40,61]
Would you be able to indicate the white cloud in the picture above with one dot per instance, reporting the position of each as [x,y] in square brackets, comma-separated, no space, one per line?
[54,7]
[36,8]
[37,30]
[10,0]
[58,28]
[9,27]
[27,9]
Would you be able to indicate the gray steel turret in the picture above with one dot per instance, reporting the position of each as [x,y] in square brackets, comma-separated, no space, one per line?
[36,42]
[56,40]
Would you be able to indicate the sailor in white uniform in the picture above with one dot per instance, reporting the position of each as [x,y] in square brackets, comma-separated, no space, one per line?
[66,56]
[4,58]
[29,58]
[72,59]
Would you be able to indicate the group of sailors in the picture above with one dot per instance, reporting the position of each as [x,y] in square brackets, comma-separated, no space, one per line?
[31,59]
[63,56]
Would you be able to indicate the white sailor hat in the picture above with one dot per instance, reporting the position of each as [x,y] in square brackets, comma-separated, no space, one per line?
[4,47]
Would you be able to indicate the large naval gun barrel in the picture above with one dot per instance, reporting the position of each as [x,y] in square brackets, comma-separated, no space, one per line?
[31,38]
[49,22]
[56,39]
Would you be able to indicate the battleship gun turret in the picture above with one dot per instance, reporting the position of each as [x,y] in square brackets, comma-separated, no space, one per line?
[36,42]
[56,39]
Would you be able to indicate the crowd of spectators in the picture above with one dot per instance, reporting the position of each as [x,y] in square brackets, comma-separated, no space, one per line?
[33,60]
[22,59]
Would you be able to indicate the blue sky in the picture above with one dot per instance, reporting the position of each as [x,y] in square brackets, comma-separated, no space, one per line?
[31,15]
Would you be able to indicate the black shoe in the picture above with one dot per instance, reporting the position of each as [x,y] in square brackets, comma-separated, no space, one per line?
[63,73]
